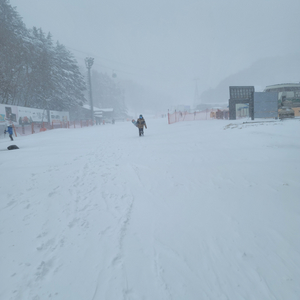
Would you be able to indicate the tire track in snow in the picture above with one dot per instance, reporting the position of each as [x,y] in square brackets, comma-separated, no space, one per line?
[118,202]
[159,275]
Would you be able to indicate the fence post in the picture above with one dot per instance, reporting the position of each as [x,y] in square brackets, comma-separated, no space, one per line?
[32,128]
[14,129]
[52,125]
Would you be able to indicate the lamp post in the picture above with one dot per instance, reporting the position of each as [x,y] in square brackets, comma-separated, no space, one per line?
[89,62]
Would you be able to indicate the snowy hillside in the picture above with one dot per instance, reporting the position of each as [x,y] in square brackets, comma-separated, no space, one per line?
[261,73]
[194,210]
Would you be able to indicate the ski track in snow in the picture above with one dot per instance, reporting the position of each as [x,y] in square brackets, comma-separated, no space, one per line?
[152,218]
[82,187]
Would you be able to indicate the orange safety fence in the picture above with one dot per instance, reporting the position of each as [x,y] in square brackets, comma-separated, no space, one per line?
[14,128]
[26,129]
[207,114]
[179,116]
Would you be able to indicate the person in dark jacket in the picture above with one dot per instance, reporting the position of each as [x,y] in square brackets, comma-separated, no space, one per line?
[140,123]
[10,131]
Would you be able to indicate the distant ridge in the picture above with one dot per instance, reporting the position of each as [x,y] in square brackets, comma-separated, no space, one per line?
[267,71]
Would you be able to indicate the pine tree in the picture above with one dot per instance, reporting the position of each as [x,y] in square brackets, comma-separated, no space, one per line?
[69,82]
[12,31]
[40,87]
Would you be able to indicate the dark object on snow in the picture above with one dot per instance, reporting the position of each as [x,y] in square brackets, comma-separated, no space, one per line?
[12,147]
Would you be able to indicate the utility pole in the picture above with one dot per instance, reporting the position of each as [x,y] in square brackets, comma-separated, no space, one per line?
[89,62]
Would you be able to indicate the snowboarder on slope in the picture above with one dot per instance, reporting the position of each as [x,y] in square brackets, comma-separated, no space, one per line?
[10,131]
[140,123]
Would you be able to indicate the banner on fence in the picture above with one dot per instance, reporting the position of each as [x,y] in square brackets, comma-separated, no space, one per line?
[27,115]
[19,115]
[59,116]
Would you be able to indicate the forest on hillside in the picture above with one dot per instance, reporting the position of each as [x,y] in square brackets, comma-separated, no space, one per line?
[37,72]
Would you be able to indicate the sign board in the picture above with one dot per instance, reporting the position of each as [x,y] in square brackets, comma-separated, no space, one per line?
[59,116]
[8,112]
[241,92]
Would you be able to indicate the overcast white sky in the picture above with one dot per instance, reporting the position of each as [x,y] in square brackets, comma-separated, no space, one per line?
[167,43]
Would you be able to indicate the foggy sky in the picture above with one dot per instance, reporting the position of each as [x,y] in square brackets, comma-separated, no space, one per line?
[166,44]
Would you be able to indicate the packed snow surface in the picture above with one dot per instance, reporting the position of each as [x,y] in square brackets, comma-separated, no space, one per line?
[193,210]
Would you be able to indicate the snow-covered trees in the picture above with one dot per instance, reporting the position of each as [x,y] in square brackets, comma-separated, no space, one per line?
[68,81]
[12,31]
[33,71]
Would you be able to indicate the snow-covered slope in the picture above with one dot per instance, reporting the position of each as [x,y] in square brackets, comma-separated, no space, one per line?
[195,210]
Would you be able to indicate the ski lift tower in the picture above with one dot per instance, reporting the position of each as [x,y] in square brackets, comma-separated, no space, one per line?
[89,62]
